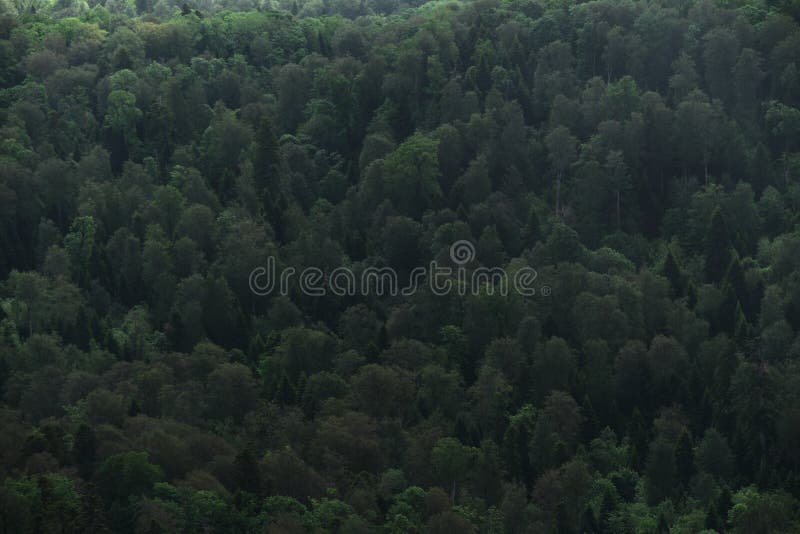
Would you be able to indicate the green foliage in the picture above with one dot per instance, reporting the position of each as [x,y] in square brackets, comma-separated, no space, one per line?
[153,154]
[127,474]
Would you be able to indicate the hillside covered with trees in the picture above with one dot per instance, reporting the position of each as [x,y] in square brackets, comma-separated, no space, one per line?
[642,157]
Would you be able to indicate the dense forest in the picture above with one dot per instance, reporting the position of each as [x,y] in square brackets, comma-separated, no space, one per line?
[642,156]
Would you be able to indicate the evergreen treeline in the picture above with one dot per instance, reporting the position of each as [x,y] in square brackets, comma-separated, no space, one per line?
[643,157]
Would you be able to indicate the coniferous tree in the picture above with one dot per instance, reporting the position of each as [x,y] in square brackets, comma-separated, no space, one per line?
[149,166]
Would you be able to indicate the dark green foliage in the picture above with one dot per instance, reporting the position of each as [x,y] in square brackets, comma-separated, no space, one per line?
[642,158]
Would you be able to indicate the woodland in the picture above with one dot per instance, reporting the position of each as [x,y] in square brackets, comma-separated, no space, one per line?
[642,156]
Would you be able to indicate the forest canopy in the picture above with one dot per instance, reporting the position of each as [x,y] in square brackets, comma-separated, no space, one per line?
[642,157]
